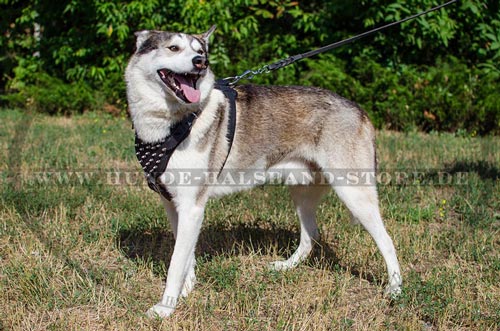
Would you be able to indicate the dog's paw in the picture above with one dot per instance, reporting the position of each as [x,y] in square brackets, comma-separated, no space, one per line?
[392,292]
[159,311]
[281,265]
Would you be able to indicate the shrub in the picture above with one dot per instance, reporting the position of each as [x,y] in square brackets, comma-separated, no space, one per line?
[438,72]
[50,95]
[450,96]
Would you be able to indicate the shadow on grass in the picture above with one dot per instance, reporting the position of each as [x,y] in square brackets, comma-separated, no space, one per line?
[457,173]
[157,245]
[485,170]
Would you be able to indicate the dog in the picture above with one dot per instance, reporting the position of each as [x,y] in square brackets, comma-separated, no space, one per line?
[277,127]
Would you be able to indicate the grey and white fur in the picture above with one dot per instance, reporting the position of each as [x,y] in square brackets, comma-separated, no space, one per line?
[278,127]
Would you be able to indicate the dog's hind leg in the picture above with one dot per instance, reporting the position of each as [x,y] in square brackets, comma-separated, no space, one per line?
[362,202]
[173,217]
[305,199]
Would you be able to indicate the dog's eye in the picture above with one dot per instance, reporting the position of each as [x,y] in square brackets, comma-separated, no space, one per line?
[174,48]
[201,52]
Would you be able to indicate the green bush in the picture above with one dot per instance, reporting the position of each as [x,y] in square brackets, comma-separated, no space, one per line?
[439,72]
[450,96]
[456,96]
[50,95]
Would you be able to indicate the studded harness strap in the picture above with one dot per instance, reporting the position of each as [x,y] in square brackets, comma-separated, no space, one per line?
[154,157]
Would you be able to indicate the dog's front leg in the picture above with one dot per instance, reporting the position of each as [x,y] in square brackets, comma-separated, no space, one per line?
[173,217]
[188,230]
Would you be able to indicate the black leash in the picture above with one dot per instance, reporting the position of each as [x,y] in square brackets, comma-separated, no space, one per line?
[249,74]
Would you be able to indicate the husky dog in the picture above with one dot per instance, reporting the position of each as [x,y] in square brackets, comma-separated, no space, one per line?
[168,79]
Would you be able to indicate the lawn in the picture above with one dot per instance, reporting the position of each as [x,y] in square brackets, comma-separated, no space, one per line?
[85,245]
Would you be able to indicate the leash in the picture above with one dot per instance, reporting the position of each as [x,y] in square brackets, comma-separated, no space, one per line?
[249,74]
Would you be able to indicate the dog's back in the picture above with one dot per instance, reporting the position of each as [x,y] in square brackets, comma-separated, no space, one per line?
[281,122]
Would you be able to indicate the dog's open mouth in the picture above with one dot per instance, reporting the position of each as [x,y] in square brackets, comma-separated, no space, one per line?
[183,85]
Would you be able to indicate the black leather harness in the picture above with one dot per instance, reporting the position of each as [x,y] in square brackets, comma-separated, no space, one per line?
[154,157]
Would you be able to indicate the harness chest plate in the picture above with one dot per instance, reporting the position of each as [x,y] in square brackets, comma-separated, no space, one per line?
[154,157]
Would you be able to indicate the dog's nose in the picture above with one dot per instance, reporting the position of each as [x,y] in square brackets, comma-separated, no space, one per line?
[200,62]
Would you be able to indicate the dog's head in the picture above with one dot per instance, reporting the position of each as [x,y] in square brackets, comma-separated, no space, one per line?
[174,65]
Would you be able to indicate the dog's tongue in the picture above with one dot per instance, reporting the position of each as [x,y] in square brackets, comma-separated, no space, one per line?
[191,93]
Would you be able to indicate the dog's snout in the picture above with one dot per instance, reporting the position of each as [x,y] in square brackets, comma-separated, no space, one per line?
[200,62]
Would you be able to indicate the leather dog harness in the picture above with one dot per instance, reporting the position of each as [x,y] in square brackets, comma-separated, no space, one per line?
[154,157]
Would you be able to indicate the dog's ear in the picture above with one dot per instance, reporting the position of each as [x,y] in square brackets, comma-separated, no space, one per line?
[207,34]
[141,37]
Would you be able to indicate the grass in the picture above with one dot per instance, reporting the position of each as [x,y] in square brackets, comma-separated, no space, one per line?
[79,251]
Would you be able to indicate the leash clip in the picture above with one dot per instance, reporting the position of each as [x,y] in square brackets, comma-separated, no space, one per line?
[249,74]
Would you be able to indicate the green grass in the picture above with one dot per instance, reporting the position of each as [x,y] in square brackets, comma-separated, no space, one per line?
[80,253]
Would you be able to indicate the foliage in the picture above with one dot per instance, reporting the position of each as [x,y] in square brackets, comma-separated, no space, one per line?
[50,95]
[88,42]
[447,97]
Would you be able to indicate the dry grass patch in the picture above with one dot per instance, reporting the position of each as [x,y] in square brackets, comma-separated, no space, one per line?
[92,255]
